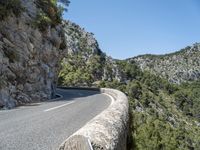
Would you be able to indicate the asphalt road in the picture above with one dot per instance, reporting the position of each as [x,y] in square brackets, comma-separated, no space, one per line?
[44,126]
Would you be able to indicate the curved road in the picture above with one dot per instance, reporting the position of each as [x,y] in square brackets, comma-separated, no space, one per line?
[46,125]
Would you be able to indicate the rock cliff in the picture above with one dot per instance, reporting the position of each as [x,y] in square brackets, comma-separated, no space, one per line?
[29,57]
[85,64]
[177,67]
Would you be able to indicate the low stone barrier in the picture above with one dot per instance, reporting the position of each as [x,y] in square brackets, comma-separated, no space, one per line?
[77,142]
[108,130]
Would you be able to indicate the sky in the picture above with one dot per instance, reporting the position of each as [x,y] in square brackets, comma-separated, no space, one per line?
[129,28]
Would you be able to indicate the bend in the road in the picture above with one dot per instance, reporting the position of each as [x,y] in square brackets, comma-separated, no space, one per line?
[46,125]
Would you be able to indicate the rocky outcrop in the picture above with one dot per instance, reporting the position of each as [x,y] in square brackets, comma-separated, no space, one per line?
[29,58]
[177,67]
[84,54]
[78,39]
[108,130]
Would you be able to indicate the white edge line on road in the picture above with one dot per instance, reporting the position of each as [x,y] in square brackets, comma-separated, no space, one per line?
[90,145]
[112,98]
[112,101]
[53,108]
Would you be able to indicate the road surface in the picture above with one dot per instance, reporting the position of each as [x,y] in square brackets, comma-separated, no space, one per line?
[44,126]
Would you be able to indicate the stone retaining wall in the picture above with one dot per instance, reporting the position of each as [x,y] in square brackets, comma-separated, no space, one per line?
[108,130]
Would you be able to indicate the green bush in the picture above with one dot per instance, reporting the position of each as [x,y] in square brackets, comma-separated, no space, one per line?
[134,89]
[10,7]
[50,14]
[43,21]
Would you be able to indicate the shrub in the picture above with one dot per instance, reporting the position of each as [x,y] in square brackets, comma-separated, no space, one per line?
[51,13]
[134,89]
[43,21]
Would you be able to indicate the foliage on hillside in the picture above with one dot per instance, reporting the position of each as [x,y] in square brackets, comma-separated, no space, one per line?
[188,99]
[78,70]
[84,64]
[50,13]
[164,115]
[178,67]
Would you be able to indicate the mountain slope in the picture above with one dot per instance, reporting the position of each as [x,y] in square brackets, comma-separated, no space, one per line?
[36,46]
[163,115]
[85,64]
[177,67]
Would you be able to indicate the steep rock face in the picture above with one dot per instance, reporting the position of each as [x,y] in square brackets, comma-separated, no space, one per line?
[80,40]
[28,59]
[85,59]
[177,67]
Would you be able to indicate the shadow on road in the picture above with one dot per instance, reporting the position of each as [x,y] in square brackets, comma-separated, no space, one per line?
[74,93]
[68,94]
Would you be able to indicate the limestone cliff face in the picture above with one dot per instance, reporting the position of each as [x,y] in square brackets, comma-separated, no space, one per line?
[29,59]
[85,56]
[78,39]
[177,67]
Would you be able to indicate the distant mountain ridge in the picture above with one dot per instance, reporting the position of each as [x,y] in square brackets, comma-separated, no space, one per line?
[178,67]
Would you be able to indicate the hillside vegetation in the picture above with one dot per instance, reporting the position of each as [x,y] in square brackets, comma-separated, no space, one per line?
[85,64]
[164,115]
[37,47]
[178,67]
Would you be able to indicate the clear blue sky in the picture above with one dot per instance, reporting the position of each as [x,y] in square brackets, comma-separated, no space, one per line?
[127,28]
